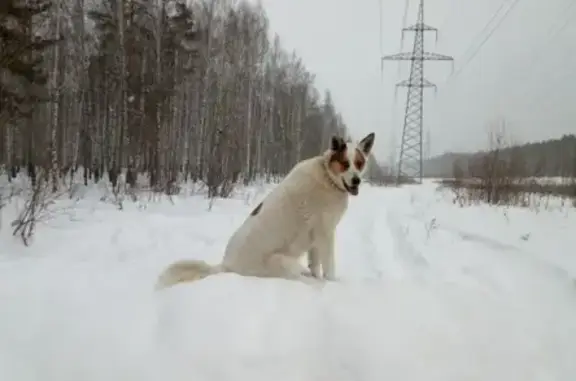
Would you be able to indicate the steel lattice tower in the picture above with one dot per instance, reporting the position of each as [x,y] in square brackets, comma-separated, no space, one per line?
[410,160]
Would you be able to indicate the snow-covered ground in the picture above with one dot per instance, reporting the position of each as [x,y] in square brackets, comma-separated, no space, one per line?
[428,291]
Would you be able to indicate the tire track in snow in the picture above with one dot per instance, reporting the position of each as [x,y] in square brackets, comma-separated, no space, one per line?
[369,250]
[381,249]
[375,242]
[412,261]
[486,260]
[510,250]
[448,263]
[369,241]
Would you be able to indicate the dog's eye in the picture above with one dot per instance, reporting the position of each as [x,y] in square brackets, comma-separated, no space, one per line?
[359,164]
[345,165]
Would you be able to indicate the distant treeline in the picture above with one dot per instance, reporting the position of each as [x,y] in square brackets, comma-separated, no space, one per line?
[549,158]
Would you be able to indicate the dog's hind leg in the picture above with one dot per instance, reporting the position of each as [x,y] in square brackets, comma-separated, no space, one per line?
[287,267]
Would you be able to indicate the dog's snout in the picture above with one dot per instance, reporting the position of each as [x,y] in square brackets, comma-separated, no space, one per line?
[355,181]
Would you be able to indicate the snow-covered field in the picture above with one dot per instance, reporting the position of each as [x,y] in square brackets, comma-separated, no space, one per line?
[428,291]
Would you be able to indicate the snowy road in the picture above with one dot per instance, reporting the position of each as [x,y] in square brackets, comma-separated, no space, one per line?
[427,291]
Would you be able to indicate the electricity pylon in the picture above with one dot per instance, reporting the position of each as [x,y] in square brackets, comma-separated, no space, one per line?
[410,160]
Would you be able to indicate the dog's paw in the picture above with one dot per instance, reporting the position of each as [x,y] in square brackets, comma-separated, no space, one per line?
[310,280]
[312,273]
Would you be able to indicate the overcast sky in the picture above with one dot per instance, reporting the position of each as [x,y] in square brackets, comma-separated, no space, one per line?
[525,73]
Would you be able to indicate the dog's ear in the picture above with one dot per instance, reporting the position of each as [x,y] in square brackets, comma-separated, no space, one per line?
[367,143]
[337,144]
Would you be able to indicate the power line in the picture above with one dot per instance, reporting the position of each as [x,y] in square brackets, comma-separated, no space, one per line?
[536,54]
[566,22]
[545,97]
[485,28]
[380,41]
[380,37]
[490,33]
[399,67]
[404,22]
[553,32]
[448,17]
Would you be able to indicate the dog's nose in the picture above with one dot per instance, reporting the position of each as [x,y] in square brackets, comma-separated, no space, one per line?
[355,181]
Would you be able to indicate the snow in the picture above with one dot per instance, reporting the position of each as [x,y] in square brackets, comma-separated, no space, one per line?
[427,291]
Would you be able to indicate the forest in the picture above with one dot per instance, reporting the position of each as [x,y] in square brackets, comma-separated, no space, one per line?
[170,90]
[511,174]
[548,158]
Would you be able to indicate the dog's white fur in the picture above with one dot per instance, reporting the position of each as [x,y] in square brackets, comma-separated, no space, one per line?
[300,215]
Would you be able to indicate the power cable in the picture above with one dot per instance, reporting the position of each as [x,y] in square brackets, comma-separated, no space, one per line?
[404,23]
[536,57]
[485,28]
[513,5]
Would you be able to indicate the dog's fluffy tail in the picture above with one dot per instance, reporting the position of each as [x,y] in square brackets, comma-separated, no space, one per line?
[185,271]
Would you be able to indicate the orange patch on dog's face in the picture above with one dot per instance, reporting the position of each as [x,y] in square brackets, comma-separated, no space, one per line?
[339,162]
[359,160]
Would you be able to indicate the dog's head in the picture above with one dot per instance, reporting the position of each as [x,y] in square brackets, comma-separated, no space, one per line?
[348,161]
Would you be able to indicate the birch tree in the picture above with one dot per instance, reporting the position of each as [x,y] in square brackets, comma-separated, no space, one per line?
[166,89]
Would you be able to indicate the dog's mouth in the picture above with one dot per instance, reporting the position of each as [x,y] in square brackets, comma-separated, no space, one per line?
[352,189]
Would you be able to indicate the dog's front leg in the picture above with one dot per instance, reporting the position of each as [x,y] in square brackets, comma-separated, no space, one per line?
[325,251]
[314,263]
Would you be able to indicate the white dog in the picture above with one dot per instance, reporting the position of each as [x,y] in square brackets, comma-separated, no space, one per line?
[300,215]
